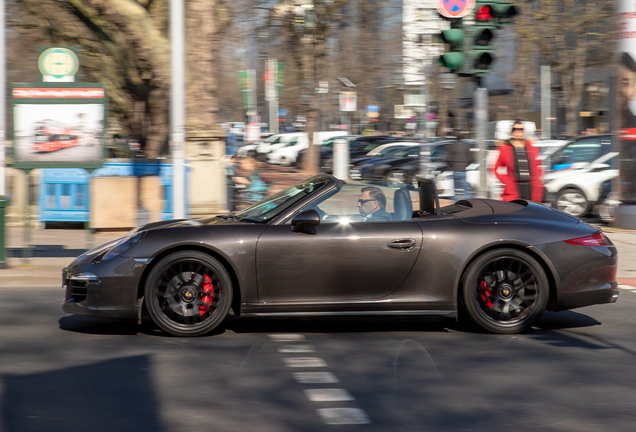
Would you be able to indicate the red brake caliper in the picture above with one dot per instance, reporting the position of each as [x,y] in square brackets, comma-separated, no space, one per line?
[208,294]
[486,294]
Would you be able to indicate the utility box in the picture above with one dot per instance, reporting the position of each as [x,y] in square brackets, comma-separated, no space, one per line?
[64,195]
[204,149]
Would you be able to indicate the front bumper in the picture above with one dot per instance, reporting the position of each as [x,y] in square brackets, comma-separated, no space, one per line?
[113,292]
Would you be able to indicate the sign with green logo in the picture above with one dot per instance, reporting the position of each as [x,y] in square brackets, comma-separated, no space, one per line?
[58,64]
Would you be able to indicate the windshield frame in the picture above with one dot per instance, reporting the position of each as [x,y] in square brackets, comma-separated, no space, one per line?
[290,204]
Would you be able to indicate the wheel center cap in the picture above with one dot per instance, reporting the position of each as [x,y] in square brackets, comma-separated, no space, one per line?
[188,294]
[506,291]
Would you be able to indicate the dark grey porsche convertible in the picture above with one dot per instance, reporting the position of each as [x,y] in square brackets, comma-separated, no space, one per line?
[328,247]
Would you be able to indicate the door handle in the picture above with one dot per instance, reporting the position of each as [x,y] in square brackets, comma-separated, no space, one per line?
[401,244]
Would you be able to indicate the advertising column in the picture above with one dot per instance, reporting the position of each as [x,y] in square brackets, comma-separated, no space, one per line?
[626,113]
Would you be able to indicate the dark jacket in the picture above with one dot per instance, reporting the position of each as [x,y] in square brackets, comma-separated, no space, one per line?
[379,216]
[459,156]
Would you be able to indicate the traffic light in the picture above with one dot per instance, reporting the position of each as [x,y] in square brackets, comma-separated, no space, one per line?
[482,53]
[454,60]
[501,12]
[471,47]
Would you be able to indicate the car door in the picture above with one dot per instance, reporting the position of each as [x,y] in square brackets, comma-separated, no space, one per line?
[342,259]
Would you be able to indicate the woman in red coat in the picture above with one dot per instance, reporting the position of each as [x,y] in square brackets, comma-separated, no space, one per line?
[523,177]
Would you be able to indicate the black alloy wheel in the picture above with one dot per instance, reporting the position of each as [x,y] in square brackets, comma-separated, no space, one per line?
[505,291]
[188,293]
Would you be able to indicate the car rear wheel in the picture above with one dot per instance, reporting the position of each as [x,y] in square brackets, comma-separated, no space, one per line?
[188,293]
[505,291]
[572,202]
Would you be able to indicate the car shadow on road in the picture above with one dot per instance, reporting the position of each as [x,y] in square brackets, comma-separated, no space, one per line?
[338,324]
[565,320]
[97,326]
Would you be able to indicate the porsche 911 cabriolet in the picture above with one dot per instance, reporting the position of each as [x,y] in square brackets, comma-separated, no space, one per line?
[330,247]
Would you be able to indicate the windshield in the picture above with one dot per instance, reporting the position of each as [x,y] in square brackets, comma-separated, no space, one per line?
[274,205]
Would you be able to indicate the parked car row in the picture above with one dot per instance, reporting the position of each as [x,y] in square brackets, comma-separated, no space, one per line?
[577,173]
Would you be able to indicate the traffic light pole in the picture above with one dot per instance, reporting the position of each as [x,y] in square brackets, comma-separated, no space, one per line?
[468,24]
[481,120]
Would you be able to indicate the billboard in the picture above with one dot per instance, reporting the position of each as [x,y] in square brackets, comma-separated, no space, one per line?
[626,95]
[57,126]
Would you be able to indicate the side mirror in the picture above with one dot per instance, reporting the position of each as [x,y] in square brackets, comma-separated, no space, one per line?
[307,218]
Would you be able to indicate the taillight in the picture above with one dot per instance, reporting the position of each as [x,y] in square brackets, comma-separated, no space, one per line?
[598,239]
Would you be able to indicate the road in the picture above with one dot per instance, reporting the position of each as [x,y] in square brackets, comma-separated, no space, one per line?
[574,371]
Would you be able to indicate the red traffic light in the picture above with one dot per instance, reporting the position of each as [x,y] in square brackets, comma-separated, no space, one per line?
[484,13]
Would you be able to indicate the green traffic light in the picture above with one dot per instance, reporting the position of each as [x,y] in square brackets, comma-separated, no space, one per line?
[453,37]
[482,60]
[453,60]
[482,36]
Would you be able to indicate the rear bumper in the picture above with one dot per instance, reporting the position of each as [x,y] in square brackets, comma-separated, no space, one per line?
[608,293]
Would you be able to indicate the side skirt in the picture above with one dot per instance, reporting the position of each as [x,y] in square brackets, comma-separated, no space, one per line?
[445,313]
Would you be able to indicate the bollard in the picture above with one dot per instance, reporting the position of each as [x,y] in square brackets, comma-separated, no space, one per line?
[3,253]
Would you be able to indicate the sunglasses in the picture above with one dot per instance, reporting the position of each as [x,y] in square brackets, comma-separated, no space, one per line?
[517,129]
[363,202]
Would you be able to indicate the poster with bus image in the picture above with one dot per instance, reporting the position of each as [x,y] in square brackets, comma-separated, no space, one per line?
[64,133]
[626,103]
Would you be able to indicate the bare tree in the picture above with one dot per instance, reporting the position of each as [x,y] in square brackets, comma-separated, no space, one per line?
[125,45]
[571,35]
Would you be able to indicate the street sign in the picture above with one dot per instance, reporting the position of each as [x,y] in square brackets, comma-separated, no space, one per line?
[282,113]
[348,101]
[454,8]
[373,114]
[373,108]
[323,87]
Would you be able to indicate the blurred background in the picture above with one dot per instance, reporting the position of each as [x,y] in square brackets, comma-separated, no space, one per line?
[403,71]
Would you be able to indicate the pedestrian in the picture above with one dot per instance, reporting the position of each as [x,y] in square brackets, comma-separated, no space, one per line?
[459,157]
[249,180]
[523,178]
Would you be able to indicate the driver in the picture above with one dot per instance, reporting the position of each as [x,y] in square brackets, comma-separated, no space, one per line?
[371,205]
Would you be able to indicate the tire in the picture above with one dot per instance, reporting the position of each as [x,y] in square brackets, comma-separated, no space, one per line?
[176,291]
[608,208]
[505,291]
[251,153]
[572,201]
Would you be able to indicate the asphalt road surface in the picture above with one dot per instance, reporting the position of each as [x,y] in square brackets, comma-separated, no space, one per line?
[574,371]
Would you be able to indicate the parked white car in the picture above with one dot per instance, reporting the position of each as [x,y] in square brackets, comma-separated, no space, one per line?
[578,170]
[286,153]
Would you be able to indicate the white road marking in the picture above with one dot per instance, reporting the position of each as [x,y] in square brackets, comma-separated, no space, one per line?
[297,349]
[315,378]
[304,362]
[343,416]
[328,395]
[627,288]
[286,337]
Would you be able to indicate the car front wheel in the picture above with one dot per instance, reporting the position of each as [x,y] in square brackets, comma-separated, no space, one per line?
[505,291]
[572,202]
[188,293]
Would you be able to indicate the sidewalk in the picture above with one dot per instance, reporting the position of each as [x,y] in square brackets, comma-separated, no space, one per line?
[54,249]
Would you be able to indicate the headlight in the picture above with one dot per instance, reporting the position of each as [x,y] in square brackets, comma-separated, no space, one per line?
[546,181]
[123,245]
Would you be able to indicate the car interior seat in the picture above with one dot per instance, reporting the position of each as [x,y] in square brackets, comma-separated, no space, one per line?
[402,205]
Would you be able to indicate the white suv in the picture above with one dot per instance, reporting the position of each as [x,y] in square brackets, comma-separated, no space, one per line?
[577,171]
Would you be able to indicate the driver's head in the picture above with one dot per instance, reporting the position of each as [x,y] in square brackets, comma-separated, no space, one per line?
[371,200]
